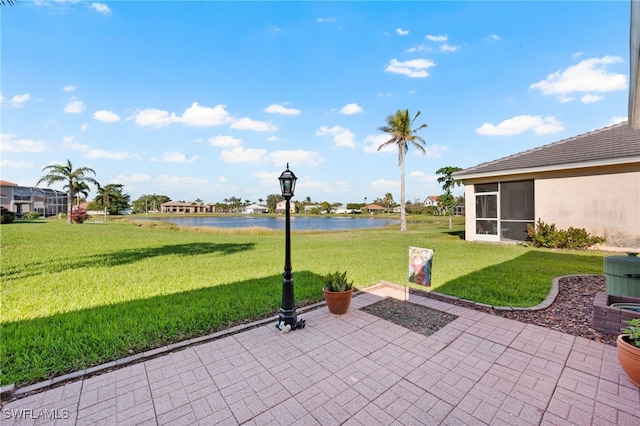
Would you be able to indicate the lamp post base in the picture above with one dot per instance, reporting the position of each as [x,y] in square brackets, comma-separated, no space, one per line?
[284,327]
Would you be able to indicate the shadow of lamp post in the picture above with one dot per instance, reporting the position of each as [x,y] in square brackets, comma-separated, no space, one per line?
[288,319]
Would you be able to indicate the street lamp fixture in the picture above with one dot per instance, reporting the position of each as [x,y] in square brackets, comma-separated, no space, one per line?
[288,318]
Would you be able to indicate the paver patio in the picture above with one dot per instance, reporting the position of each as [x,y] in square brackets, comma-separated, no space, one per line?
[357,369]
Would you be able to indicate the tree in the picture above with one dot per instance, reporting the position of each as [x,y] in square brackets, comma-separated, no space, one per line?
[66,173]
[272,201]
[399,126]
[111,198]
[79,188]
[149,203]
[448,182]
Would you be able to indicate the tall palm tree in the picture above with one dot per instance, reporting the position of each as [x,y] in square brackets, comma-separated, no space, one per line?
[399,126]
[66,173]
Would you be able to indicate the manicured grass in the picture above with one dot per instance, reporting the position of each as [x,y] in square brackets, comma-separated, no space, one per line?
[79,295]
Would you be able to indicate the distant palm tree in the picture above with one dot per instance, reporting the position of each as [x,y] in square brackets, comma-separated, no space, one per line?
[66,173]
[402,135]
[79,188]
[108,195]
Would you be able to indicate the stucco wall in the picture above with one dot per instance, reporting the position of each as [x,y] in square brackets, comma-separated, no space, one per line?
[605,201]
[606,205]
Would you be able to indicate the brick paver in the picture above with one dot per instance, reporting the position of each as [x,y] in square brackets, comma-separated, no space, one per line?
[356,369]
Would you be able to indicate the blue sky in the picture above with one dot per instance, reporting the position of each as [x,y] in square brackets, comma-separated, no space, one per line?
[210,99]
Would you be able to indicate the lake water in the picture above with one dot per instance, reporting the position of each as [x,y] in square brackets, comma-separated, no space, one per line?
[298,223]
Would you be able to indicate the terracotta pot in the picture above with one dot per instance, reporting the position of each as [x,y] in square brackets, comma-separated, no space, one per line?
[629,357]
[338,301]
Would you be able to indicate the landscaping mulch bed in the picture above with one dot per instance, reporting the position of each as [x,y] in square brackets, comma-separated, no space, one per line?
[415,317]
[570,313]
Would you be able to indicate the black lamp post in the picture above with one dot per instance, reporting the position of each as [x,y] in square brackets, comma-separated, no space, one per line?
[288,319]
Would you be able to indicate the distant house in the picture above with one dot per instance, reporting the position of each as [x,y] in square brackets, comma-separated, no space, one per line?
[431,201]
[179,207]
[373,209]
[342,209]
[282,205]
[255,209]
[589,181]
[24,199]
[312,207]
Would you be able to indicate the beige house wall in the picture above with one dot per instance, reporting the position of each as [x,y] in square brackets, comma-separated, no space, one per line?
[606,205]
[603,200]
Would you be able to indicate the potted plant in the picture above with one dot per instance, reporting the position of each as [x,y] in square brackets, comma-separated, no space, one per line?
[337,292]
[628,345]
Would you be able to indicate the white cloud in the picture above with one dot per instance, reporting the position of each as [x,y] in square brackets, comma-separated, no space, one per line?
[449,47]
[246,123]
[225,141]
[19,100]
[433,151]
[281,109]
[414,68]
[494,37]
[84,127]
[242,155]
[178,157]
[372,142]
[521,124]
[438,38]
[74,107]
[402,32]
[341,136]
[326,20]
[69,143]
[589,75]
[15,164]
[577,55]
[135,178]
[69,88]
[296,158]
[106,116]
[9,143]
[588,99]
[154,118]
[422,177]
[181,182]
[419,48]
[102,153]
[351,109]
[618,119]
[382,186]
[101,8]
[273,139]
[195,115]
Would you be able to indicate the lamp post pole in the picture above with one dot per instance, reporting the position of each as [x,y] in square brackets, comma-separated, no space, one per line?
[288,318]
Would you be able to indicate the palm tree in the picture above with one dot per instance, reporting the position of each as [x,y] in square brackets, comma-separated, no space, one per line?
[402,135]
[66,173]
[79,188]
[107,195]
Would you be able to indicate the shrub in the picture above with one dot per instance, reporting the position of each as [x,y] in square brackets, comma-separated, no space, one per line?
[548,236]
[79,215]
[336,281]
[32,215]
[7,216]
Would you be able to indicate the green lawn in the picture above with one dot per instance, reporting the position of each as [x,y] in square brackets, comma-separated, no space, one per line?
[79,295]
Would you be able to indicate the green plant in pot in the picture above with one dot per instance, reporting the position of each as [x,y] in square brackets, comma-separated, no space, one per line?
[337,291]
[628,346]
